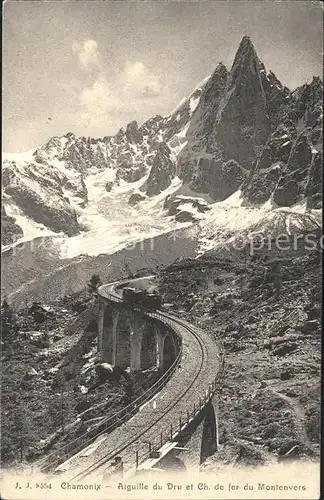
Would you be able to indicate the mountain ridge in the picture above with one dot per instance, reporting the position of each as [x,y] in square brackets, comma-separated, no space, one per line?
[239,130]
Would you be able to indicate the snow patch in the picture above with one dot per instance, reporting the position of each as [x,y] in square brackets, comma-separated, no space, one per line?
[24,156]
[114,224]
[178,142]
[31,229]
[193,103]
[228,220]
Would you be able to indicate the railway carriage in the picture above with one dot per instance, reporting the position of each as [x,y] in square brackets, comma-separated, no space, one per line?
[142,298]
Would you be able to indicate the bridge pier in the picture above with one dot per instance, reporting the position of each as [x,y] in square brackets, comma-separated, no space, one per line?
[187,432]
[107,334]
[169,352]
[159,342]
[126,339]
[101,316]
[200,440]
[115,317]
[136,336]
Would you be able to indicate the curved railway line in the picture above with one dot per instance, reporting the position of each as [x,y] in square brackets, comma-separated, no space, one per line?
[117,451]
[179,396]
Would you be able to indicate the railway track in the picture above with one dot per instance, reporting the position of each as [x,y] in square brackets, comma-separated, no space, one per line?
[106,425]
[126,444]
[146,429]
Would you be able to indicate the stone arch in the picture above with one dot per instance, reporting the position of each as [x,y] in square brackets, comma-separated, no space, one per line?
[209,436]
[123,341]
[169,351]
[148,347]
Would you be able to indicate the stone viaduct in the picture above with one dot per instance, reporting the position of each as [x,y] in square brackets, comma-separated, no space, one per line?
[130,339]
[174,424]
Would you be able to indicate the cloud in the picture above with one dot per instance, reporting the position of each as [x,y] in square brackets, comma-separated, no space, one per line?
[107,98]
[87,53]
[138,80]
[100,98]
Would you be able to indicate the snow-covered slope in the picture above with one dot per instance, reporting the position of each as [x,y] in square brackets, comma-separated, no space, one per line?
[232,223]
[239,131]
[57,188]
[114,224]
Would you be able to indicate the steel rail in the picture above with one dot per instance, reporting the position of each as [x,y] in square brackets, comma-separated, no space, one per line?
[127,443]
[123,415]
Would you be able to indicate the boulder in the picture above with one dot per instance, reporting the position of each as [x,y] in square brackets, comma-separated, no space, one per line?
[285,348]
[311,326]
[185,216]
[30,373]
[135,198]
[314,312]
[287,374]
[173,203]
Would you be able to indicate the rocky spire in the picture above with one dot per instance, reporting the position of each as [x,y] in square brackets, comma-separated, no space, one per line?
[242,119]
[245,62]
[203,119]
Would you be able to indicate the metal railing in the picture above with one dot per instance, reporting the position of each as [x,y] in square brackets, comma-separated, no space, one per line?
[175,431]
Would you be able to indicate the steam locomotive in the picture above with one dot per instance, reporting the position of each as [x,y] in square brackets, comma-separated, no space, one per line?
[142,298]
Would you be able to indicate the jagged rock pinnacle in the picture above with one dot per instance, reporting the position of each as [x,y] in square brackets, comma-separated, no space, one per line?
[246,60]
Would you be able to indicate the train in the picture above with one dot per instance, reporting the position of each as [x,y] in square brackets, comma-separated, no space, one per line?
[142,298]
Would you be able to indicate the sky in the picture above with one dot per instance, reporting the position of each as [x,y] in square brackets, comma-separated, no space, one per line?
[91,67]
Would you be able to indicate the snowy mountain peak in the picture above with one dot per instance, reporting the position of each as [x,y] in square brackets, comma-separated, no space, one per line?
[245,54]
[238,131]
[243,130]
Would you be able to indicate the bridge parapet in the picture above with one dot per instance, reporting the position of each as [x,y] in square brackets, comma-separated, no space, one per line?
[186,392]
[108,424]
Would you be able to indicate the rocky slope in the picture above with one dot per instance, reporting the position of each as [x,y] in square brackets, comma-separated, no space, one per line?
[37,273]
[270,397]
[42,187]
[10,230]
[289,165]
[51,391]
[270,400]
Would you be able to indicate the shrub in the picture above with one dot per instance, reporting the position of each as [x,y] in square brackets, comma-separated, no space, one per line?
[94,283]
